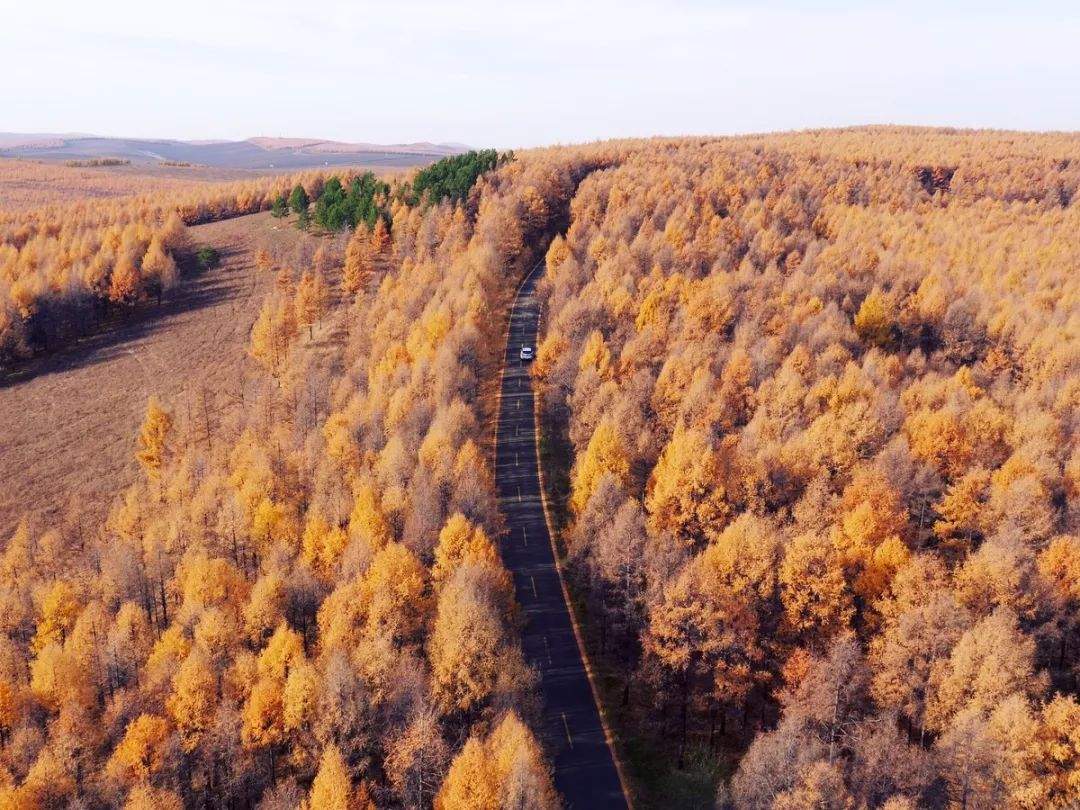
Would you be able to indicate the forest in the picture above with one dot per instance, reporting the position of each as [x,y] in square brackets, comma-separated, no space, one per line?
[809,408]
[306,607]
[66,266]
[453,177]
[820,397]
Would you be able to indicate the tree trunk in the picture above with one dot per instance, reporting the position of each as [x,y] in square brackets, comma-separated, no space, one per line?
[164,604]
[685,702]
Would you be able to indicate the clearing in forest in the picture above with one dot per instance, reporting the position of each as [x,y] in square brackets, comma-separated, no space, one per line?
[70,419]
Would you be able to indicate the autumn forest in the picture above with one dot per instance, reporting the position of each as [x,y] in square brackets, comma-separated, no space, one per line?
[808,410]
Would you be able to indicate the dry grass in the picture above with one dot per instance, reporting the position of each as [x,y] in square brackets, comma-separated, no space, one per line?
[26,184]
[69,420]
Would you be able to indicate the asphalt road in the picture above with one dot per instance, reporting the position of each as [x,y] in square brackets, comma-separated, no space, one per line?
[584,768]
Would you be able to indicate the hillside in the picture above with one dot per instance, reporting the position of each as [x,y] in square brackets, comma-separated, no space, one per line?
[250,154]
[807,408]
[814,399]
[287,528]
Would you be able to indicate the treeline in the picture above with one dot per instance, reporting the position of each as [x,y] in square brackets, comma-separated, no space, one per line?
[306,607]
[63,267]
[452,177]
[96,162]
[337,206]
[821,396]
[365,199]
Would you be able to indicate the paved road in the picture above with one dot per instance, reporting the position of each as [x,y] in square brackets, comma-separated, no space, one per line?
[584,769]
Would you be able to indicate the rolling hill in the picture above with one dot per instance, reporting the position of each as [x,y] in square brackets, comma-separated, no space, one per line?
[253,153]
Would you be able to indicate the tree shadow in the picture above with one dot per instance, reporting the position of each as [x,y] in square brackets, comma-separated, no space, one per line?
[109,337]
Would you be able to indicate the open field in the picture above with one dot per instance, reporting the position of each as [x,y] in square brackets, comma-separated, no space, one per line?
[70,418]
[29,184]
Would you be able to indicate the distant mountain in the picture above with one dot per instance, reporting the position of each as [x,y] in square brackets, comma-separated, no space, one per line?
[314,145]
[253,153]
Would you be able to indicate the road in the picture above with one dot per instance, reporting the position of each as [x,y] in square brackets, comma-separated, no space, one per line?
[584,768]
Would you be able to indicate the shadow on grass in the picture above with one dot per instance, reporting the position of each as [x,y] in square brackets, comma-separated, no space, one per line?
[108,337]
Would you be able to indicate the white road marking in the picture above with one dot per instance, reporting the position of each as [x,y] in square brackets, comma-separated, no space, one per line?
[533,581]
[566,725]
[524,536]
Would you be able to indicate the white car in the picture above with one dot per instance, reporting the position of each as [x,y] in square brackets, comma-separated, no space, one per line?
[526,353]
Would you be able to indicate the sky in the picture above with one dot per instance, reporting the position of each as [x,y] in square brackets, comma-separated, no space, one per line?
[516,74]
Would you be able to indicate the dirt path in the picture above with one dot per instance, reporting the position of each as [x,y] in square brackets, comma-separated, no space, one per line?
[68,421]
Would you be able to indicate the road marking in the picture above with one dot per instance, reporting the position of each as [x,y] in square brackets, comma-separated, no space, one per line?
[524,536]
[525,315]
[533,581]
[548,648]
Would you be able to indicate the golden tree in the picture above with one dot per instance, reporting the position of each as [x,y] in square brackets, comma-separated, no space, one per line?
[358,264]
[467,647]
[605,454]
[472,780]
[816,599]
[153,440]
[263,260]
[311,300]
[872,322]
[685,495]
[141,753]
[125,282]
[460,542]
[332,788]
[59,610]
[194,700]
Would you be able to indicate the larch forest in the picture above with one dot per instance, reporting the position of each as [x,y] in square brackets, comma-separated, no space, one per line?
[808,407]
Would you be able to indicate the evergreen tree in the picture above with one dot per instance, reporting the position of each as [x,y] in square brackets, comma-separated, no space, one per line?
[298,200]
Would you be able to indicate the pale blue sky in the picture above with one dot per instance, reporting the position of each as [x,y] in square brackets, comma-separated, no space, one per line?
[522,74]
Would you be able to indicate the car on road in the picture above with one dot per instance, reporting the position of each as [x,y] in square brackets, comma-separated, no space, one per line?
[526,353]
